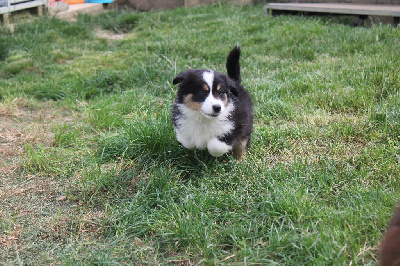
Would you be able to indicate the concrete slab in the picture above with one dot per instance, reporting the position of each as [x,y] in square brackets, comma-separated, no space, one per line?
[74,10]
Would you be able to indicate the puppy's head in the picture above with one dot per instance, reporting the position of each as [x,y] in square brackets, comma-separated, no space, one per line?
[206,91]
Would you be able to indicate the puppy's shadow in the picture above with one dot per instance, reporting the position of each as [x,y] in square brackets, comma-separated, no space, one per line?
[154,143]
[195,163]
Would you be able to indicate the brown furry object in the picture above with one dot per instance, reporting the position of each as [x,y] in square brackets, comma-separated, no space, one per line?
[390,246]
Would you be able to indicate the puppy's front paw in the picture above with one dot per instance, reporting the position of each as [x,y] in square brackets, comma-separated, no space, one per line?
[218,148]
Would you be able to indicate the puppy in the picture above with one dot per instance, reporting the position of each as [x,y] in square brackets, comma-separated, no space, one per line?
[390,245]
[213,110]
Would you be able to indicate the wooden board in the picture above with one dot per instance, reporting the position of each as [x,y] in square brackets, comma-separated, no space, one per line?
[363,11]
[348,9]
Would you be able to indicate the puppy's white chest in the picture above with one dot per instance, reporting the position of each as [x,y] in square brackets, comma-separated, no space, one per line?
[194,130]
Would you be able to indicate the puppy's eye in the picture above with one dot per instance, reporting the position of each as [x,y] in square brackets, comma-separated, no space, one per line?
[203,93]
[221,93]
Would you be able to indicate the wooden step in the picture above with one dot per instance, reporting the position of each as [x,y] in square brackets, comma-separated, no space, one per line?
[9,6]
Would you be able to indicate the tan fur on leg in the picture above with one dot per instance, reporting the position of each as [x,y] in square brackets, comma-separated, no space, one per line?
[239,150]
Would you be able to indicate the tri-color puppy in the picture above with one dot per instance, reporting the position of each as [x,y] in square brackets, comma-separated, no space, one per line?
[213,110]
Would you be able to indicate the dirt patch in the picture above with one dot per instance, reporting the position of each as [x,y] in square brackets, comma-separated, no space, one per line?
[110,35]
[20,126]
[34,208]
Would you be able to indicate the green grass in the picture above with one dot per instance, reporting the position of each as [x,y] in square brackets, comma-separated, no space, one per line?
[318,185]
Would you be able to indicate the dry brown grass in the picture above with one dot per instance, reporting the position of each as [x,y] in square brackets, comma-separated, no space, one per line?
[34,206]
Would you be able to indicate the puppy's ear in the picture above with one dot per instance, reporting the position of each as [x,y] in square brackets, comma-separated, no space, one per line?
[181,77]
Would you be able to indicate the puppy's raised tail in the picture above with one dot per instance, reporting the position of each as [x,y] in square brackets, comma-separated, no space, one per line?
[233,64]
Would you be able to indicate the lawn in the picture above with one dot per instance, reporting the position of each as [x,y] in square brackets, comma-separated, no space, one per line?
[91,172]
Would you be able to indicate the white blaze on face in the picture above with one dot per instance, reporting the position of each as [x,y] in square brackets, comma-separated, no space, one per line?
[210,102]
[208,77]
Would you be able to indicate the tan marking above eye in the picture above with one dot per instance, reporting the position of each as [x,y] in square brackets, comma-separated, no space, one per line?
[218,87]
[205,87]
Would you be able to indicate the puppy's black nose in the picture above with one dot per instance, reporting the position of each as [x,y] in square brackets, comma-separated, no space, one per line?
[216,108]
